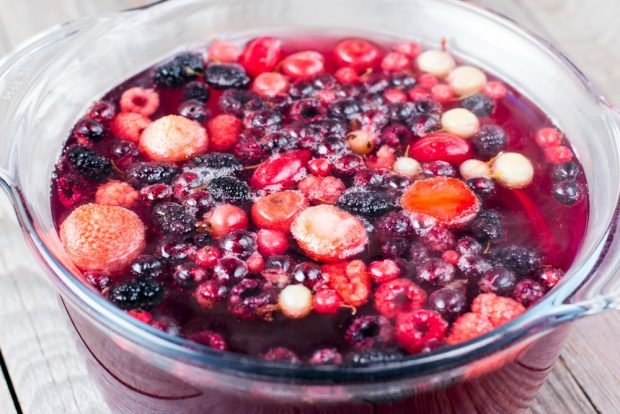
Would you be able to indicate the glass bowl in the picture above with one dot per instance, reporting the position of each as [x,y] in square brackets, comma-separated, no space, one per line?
[50,81]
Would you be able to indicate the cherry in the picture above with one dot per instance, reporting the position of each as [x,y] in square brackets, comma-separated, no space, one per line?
[394,62]
[409,49]
[358,54]
[303,65]
[225,218]
[223,52]
[348,76]
[441,146]
[326,302]
[280,171]
[270,84]
[272,242]
[319,166]
[261,55]
[207,256]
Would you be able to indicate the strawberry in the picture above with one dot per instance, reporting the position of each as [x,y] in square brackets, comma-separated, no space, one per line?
[105,238]
[303,65]
[280,171]
[321,190]
[223,132]
[415,329]
[350,280]
[329,234]
[261,55]
[468,326]
[498,309]
[129,126]
[358,54]
[173,138]
[446,199]
[441,146]
[278,210]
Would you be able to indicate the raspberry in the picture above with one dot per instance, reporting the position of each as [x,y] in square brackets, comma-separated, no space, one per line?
[226,76]
[321,190]
[209,293]
[413,331]
[172,218]
[89,164]
[222,51]
[369,332]
[143,174]
[548,137]
[180,70]
[468,326]
[137,294]
[173,138]
[277,211]
[398,296]
[250,298]
[329,234]
[325,356]
[521,260]
[129,126]
[72,190]
[147,266]
[451,256]
[558,154]
[435,272]
[438,239]
[117,193]
[229,190]
[382,271]
[280,354]
[498,309]
[490,140]
[487,225]
[87,132]
[326,302]
[209,338]
[140,100]
[224,218]
[238,243]
[479,104]
[365,203]
[350,280]
[98,237]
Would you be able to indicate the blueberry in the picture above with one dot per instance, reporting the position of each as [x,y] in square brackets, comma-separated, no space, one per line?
[303,89]
[375,356]
[473,266]
[448,302]
[366,203]
[93,131]
[422,124]
[487,225]
[435,272]
[345,109]
[140,293]
[226,76]
[237,102]
[376,83]
[396,224]
[565,171]
[521,260]
[262,119]
[498,280]
[280,141]
[180,70]
[278,269]
[89,164]
[228,190]
[402,80]
[239,243]
[195,110]
[249,151]
[202,239]
[569,192]
[482,186]
[490,140]
[394,248]
[229,270]
[196,90]
[147,266]
[479,104]
[172,218]
[308,274]
[174,249]
[142,174]
[188,275]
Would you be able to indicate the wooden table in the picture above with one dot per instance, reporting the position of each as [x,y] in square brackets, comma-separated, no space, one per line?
[41,370]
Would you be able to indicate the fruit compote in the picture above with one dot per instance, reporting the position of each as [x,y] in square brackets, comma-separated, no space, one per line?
[319,200]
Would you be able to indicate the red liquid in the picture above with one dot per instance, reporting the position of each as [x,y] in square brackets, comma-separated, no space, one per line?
[533,218]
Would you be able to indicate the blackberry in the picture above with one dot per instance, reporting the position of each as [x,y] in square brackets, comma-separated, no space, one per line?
[498,280]
[143,174]
[262,119]
[521,260]
[366,203]
[490,140]
[229,190]
[226,76]
[196,90]
[90,130]
[487,225]
[401,111]
[479,104]
[237,102]
[180,70]
[345,109]
[369,331]
[139,293]
[213,165]
[484,187]
[375,356]
[89,164]
[568,192]
[147,266]
[172,218]
[194,110]
[565,171]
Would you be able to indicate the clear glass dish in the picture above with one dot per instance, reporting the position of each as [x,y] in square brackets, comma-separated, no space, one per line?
[46,84]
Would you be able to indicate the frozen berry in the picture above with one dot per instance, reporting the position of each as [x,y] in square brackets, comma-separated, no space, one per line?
[397,224]
[129,126]
[281,354]
[172,218]
[180,70]
[98,237]
[548,137]
[295,301]
[487,225]
[325,356]
[261,55]
[277,211]
[394,95]
[527,292]
[187,276]
[369,332]
[468,245]
[569,192]
[272,242]
[207,256]
[143,174]
[350,280]
[239,243]
[383,271]
[467,327]
[398,296]
[565,171]
[87,131]
[521,260]
[209,293]
[173,138]
[250,298]
[196,91]
[116,193]
[479,104]
[435,272]
[72,190]
[495,90]
[174,250]
[498,280]
[549,277]
[438,169]
[319,167]
[224,218]
[141,315]
[89,164]
[365,203]
[102,111]
[448,302]
[438,239]
[490,140]
[308,274]
[473,266]
[209,338]
[137,294]
[226,76]
[326,302]
[327,233]
[155,193]
[139,100]
[482,186]
[194,110]
[413,331]
[229,270]
[147,266]
[498,309]
[228,190]
[409,49]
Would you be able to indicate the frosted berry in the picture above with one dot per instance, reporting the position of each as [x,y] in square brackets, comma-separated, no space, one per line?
[140,100]
[435,272]
[383,271]
[414,330]
[527,292]
[498,280]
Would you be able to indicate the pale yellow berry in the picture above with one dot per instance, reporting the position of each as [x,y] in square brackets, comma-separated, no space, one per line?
[461,122]
[407,167]
[474,169]
[361,141]
[436,62]
[512,170]
[295,301]
[467,80]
